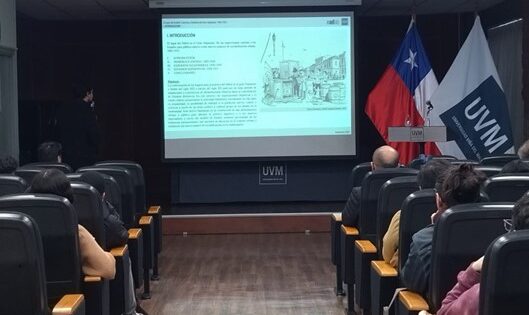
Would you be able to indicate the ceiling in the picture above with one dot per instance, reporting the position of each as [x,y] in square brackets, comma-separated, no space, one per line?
[131,9]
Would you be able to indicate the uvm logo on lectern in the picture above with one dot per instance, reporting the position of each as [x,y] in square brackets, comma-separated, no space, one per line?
[273,174]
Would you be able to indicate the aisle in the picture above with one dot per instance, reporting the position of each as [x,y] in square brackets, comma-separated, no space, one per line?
[245,274]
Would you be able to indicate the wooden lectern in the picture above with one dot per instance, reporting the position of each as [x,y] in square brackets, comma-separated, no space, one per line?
[420,135]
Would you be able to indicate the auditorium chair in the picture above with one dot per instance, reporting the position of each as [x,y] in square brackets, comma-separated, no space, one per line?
[459,162]
[506,187]
[357,175]
[138,180]
[65,168]
[11,184]
[90,214]
[128,201]
[359,172]
[414,215]
[57,222]
[462,234]
[489,170]
[499,160]
[390,199]
[366,228]
[23,285]
[418,162]
[27,173]
[504,276]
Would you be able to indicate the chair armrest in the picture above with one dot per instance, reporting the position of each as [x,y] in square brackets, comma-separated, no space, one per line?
[145,220]
[71,304]
[366,247]
[88,279]
[134,234]
[154,210]
[413,301]
[119,251]
[337,216]
[349,230]
[383,269]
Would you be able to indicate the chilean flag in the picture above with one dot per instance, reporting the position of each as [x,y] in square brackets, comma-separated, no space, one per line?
[402,94]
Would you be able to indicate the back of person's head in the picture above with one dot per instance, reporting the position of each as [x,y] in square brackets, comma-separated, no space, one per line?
[516,166]
[80,90]
[520,213]
[95,179]
[50,151]
[385,157]
[8,164]
[462,184]
[430,171]
[523,151]
[52,181]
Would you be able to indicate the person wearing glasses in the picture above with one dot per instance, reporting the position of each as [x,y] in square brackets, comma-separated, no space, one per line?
[463,299]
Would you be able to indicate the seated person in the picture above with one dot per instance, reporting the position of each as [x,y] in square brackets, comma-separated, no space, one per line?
[516,166]
[8,164]
[461,185]
[426,179]
[95,261]
[116,234]
[383,157]
[50,152]
[464,296]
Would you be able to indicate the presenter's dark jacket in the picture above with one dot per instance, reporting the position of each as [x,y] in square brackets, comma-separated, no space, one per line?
[352,208]
[417,269]
[79,134]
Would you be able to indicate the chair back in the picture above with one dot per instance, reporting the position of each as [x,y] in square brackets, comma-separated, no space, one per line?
[138,181]
[124,179]
[359,172]
[113,192]
[504,276]
[391,196]
[414,215]
[23,285]
[89,208]
[499,160]
[65,168]
[462,235]
[371,185]
[489,170]
[459,162]
[57,222]
[27,173]
[11,184]
[506,187]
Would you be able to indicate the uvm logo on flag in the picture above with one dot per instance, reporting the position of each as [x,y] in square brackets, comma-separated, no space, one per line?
[479,126]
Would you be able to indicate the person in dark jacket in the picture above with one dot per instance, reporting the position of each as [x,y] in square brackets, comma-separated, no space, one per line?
[78,128]
[116,233]
[50,151]
[458,185]
[383,157]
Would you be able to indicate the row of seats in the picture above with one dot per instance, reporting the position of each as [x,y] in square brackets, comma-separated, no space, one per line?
[125,189]
[355,250]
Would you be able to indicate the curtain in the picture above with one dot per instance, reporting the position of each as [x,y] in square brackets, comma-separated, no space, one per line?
[8,103]
[505,43]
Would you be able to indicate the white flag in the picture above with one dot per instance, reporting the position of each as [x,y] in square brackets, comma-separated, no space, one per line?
[471,103]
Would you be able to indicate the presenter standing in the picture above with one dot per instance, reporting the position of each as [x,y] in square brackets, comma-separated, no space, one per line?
[79,130]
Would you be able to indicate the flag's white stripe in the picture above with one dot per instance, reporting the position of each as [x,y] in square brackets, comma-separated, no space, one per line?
[424,92]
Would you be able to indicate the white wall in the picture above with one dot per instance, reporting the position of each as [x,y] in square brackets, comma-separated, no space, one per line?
[8,35]
[8,79]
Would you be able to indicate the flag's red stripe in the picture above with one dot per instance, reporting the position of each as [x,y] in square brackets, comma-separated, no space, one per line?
[389,104]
